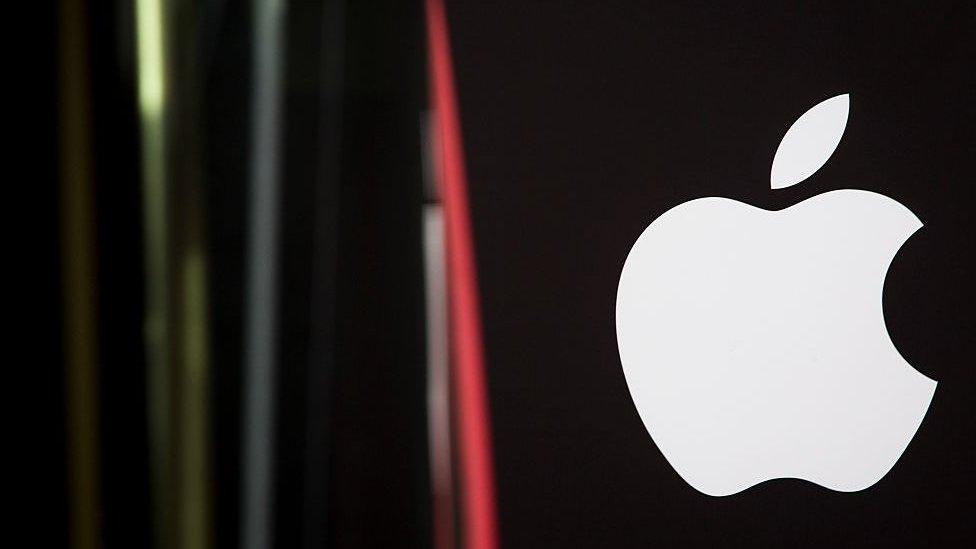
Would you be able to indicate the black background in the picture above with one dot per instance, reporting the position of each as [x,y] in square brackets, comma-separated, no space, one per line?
[584,121]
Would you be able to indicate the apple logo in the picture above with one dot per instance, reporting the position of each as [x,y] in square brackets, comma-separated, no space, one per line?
[753,342]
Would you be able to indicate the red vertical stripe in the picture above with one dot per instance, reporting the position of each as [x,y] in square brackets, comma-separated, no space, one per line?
[477,487]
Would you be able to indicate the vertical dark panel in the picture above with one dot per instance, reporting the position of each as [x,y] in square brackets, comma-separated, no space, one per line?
[124,444]
[301,150]
[351,465]
[322,344]
[48,500]
[379,494]
[226,67]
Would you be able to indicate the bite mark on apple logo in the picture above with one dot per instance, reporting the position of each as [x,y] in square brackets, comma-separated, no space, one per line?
[753,342]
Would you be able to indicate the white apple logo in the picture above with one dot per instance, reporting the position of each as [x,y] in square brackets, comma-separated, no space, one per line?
[753,342]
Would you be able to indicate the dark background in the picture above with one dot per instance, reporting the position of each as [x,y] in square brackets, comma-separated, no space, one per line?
[584,121]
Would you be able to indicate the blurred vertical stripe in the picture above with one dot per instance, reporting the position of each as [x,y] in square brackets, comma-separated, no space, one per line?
[177,302]
[151,70]
[261,281]
[78,277]
[438,379]
[476,473]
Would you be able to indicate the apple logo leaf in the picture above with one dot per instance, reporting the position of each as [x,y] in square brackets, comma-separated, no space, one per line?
[809,142]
